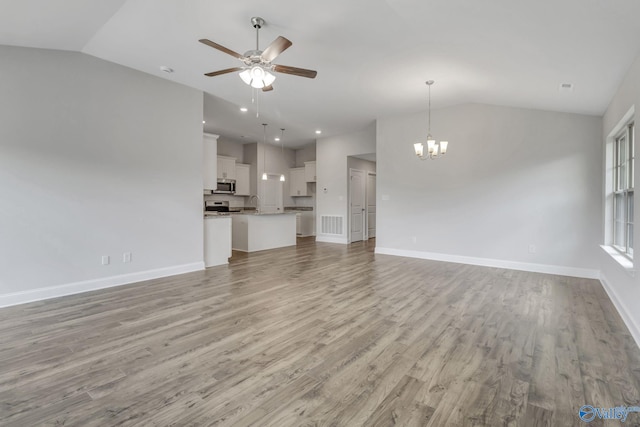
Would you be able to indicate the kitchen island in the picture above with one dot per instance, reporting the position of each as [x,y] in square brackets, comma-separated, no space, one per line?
[253,232]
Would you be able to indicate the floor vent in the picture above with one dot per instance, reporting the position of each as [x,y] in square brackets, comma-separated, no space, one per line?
[331,224]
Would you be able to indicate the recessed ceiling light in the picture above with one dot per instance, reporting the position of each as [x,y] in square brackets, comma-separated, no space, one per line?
[244,109]
[318,132]
[276,139]
[166,69]
[203,122]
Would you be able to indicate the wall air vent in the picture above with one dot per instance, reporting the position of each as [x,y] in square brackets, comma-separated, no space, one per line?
[331,224]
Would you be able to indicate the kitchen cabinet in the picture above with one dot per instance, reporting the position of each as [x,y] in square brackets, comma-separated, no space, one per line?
[243,187]
[209,161]
[217,240]
[297,183]
[226,167]
[305,223]
[310,171]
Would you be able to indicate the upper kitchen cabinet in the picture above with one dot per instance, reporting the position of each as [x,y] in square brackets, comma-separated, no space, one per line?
[243,173]
[297,184]
[310,171]
[209,161]
[226,167]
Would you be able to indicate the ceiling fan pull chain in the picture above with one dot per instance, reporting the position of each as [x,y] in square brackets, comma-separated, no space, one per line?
[257,103]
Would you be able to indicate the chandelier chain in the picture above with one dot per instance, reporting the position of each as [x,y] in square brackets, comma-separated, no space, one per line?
[429,124]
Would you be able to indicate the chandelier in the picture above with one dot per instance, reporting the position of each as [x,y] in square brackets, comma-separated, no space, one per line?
[434,148]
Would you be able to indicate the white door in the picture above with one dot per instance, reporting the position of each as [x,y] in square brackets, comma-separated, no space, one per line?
[357,205]
[371,205]
[272,195]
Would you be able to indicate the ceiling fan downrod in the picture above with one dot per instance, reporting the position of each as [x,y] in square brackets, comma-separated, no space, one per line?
[257,23]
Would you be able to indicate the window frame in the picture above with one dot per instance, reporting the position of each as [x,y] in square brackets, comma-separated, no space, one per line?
[623,189]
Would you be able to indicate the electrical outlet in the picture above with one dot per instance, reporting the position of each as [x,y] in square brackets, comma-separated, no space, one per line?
[105,259]
[126,257]
[532,249]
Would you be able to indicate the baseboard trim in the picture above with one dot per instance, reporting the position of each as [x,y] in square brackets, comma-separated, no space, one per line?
[327,239]
[40,294]
[487,262]
[622,309]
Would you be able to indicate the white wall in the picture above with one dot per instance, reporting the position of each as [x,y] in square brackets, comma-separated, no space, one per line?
[365,165]
[622,286]
[95,159]
[333,175]
[230,148]
[305,154]
[512,178]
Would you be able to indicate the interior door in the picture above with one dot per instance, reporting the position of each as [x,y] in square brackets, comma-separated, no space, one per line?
[357,205]
[272,201]
[371,205]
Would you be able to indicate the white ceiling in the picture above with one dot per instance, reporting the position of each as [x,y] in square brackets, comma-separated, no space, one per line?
[372,56]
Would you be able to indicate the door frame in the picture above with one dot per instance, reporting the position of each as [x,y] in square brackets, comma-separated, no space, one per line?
[364,195]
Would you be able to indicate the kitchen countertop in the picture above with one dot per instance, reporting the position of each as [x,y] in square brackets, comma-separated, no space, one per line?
[298,209]
[251,213]
[215,215]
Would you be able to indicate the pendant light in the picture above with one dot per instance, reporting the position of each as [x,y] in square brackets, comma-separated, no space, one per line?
[433,147]
[264,152]
[282,178]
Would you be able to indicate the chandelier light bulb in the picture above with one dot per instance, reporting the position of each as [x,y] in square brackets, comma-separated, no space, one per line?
[246,76]
[268,78]
[443,146]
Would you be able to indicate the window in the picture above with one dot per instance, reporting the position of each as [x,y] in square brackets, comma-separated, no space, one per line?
[623,166]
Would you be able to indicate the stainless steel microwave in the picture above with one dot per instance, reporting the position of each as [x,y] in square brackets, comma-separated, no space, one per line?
[226,186]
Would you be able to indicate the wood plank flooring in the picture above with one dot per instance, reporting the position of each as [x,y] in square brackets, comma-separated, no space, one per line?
[321,335]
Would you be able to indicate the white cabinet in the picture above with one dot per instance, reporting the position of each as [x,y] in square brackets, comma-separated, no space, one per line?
[310,171]
[217,240]
[243,187]
[209,163]
[226,167]
[305,223]
[297,183]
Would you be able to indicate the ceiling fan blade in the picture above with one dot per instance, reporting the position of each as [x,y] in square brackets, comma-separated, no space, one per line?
[221,48]
[278,46]
[267,88]
[311,74]
[225,71]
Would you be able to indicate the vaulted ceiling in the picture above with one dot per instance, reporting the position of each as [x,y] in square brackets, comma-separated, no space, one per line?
[372,56]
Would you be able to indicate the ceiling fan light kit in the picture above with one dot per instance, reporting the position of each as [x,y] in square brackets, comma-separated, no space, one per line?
[257,70]
[257,77]
[433,147]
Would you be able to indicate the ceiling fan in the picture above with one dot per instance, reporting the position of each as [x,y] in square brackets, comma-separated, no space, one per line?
[257,67]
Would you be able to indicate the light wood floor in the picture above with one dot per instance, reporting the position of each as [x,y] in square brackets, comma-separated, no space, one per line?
[320,335]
